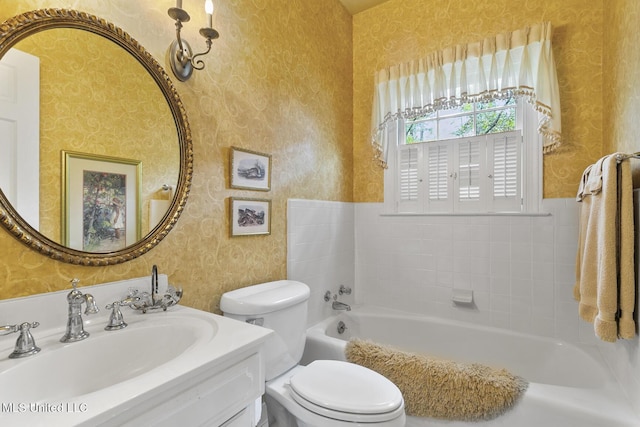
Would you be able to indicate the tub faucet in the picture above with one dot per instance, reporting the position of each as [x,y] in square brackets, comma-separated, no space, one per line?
[75,327]
[337,305]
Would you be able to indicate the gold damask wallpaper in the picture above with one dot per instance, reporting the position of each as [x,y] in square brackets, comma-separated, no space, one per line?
[278,81]
[400,30]
[622,79]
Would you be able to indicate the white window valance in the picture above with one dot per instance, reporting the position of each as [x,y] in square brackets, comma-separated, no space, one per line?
[516,63]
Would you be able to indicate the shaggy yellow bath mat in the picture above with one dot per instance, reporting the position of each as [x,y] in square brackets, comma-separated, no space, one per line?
[441,388]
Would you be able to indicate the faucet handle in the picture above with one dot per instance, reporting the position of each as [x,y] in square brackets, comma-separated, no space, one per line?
[124,302]
[327,296]
[344,290]
[92,307]
[10,329]
[25,344]
[116,320]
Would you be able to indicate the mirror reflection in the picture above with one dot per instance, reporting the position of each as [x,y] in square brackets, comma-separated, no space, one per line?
[97,103]
[136,164]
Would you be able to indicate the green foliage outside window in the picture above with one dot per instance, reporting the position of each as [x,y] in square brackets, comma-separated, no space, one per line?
[466,120]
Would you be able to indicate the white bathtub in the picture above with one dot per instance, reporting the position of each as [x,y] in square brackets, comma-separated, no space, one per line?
[569,386]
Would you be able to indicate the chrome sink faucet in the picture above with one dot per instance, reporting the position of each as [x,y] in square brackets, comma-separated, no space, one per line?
[75,327]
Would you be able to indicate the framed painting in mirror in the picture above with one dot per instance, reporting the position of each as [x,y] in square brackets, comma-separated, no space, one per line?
[100,202]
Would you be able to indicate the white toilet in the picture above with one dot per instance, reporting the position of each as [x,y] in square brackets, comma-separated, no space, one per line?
[325,392]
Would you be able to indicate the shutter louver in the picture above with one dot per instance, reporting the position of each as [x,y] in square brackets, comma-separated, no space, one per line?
[469,167]
[408,174]
[438,172]
[505,167]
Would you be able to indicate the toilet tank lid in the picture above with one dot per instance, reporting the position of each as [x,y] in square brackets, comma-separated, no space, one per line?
[264,298]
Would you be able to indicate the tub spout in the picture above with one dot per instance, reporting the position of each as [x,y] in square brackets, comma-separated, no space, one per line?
[337,305]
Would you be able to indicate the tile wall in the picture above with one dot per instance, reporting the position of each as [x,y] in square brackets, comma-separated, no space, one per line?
[520,268]
[321,251]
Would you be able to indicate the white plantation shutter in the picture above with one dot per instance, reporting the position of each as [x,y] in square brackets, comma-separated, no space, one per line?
[438,172]
[505,150]
[408,166]
[439,176]
[469,170]
[474,174]
[409,161]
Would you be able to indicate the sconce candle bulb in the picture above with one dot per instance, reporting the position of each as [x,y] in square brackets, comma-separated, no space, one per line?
[208,8]
[181,57]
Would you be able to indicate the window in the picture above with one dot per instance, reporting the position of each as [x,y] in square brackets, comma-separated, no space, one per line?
[468,159]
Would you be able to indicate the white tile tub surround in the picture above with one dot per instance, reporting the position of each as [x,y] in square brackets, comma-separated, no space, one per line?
[521,269]
[320,250]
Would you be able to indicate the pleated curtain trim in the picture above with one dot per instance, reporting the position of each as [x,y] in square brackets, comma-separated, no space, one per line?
[518,63]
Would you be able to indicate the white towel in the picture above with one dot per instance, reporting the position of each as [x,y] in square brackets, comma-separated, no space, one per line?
[627,291]
[605,284]
[582,188]
[594,183]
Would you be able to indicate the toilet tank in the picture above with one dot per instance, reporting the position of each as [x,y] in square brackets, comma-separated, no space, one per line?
[280,306]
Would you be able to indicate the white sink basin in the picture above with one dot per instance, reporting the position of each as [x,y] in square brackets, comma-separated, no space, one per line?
[132,376]
[106,358]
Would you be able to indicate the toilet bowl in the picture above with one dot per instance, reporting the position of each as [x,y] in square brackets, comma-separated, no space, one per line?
[335,393]
[327,393]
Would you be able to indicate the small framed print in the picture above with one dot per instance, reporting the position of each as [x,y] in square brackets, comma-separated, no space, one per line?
[250,170]
[250,217]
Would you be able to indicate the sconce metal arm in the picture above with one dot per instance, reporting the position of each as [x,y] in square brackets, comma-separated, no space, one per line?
[180,55]
[209,34]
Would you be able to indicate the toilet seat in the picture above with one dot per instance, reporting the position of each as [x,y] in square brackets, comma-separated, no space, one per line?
[346,391]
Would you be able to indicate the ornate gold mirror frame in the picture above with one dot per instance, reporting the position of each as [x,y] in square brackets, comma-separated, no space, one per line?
[26,24]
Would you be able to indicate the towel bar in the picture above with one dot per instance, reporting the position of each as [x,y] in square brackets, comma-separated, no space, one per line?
[621,157]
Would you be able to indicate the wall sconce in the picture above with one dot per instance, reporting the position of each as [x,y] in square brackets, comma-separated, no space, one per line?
[181,57]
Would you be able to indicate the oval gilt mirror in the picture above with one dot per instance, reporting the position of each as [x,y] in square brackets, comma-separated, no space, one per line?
[102,173]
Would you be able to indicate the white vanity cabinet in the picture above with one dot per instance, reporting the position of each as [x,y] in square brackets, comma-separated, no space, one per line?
[225,396]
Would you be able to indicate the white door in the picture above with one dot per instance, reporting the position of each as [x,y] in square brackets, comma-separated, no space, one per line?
[20,133]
